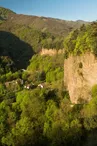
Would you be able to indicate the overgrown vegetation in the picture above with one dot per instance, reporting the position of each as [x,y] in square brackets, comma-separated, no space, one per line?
[47,68]
[43,116]
[82,40]
[25,113]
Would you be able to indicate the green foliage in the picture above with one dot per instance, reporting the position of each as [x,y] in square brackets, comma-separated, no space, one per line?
[38,39]
[60,127]
[42,116]
[35,117]
[89,111]
[54,75]
[47,68]
[82,40]
[16,75]
[24,76]
[70,41]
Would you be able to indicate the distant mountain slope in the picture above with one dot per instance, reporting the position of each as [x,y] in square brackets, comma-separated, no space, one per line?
[52,25]
[21,36]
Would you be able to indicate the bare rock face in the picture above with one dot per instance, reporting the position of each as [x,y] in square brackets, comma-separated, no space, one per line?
[80,74]
[51,52]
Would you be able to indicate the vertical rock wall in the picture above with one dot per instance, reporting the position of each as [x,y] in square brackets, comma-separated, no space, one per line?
[80,74]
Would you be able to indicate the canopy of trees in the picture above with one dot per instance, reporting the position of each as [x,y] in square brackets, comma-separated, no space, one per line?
[82,40]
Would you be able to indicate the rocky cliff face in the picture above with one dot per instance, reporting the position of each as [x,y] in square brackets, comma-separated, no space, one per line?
[80,74]
[51,52]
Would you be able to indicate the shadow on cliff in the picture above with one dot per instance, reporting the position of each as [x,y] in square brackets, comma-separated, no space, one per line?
[19,51]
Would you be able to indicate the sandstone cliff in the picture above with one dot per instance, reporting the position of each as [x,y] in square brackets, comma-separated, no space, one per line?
[51,52]
[80,74]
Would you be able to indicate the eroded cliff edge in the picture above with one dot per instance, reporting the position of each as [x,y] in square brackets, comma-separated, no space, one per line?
[80,74]
[51,52]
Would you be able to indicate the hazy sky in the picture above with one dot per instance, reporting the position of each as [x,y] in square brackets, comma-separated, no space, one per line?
[63,9]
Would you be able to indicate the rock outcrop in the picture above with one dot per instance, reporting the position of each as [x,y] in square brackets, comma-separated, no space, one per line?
[51,52]
[80,74]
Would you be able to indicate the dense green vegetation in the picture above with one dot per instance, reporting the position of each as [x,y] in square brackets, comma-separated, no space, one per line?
[38,39]
[47,68]
[82,40]
[43,116]
[24,113]
[35,109]
[34,37]
[18,48]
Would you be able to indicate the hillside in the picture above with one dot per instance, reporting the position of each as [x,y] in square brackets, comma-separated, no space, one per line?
[52,25]
[38,32]
[43,98]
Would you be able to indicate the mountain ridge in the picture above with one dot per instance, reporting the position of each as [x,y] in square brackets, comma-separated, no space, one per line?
[48,17]
[55,26]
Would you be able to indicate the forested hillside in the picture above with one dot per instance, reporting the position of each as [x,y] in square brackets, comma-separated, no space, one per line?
[35,107]
[37,31]
[44,24]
